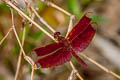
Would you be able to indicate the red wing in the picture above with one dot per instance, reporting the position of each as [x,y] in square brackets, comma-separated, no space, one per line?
[47,49]
[57,58]
[78,58]
[79,28]
[83,40]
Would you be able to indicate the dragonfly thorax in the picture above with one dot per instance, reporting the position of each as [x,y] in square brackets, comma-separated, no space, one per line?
[63,40]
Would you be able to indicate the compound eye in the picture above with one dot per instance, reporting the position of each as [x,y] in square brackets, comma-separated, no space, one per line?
[57,34]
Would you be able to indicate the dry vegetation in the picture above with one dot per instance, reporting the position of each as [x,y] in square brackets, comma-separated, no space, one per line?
[16,48]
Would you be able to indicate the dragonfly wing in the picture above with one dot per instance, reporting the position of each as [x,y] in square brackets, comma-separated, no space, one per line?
[82,41]
[79,28]
[57,58]
[79,59]
[48,49]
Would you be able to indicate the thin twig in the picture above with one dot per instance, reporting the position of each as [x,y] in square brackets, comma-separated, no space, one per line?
[32,73]
[42,20]
[70,25]
[32,17]
[75,71]
[71,75]
[5,36]
[45,23]
[57,7]
[20,55]
[100,66]
[25,16]
[13,26]
[62,10]
[27,58]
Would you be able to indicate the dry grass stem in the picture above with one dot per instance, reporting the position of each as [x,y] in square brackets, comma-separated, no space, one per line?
[32,73]
[75,71]
[20,55]
[70,25]
[100,66]
[71,75]
[5,36]
[62,10]
[27,58]
[57,7]
[28,18]
[42,20]
[13,26]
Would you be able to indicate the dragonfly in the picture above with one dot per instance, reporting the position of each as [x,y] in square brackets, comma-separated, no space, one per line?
[65,48]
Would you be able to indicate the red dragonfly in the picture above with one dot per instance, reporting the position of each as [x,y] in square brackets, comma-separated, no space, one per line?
[61,52]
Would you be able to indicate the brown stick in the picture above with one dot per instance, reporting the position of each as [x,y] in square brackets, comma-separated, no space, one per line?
[5,36]
[100,66]
[20,55]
